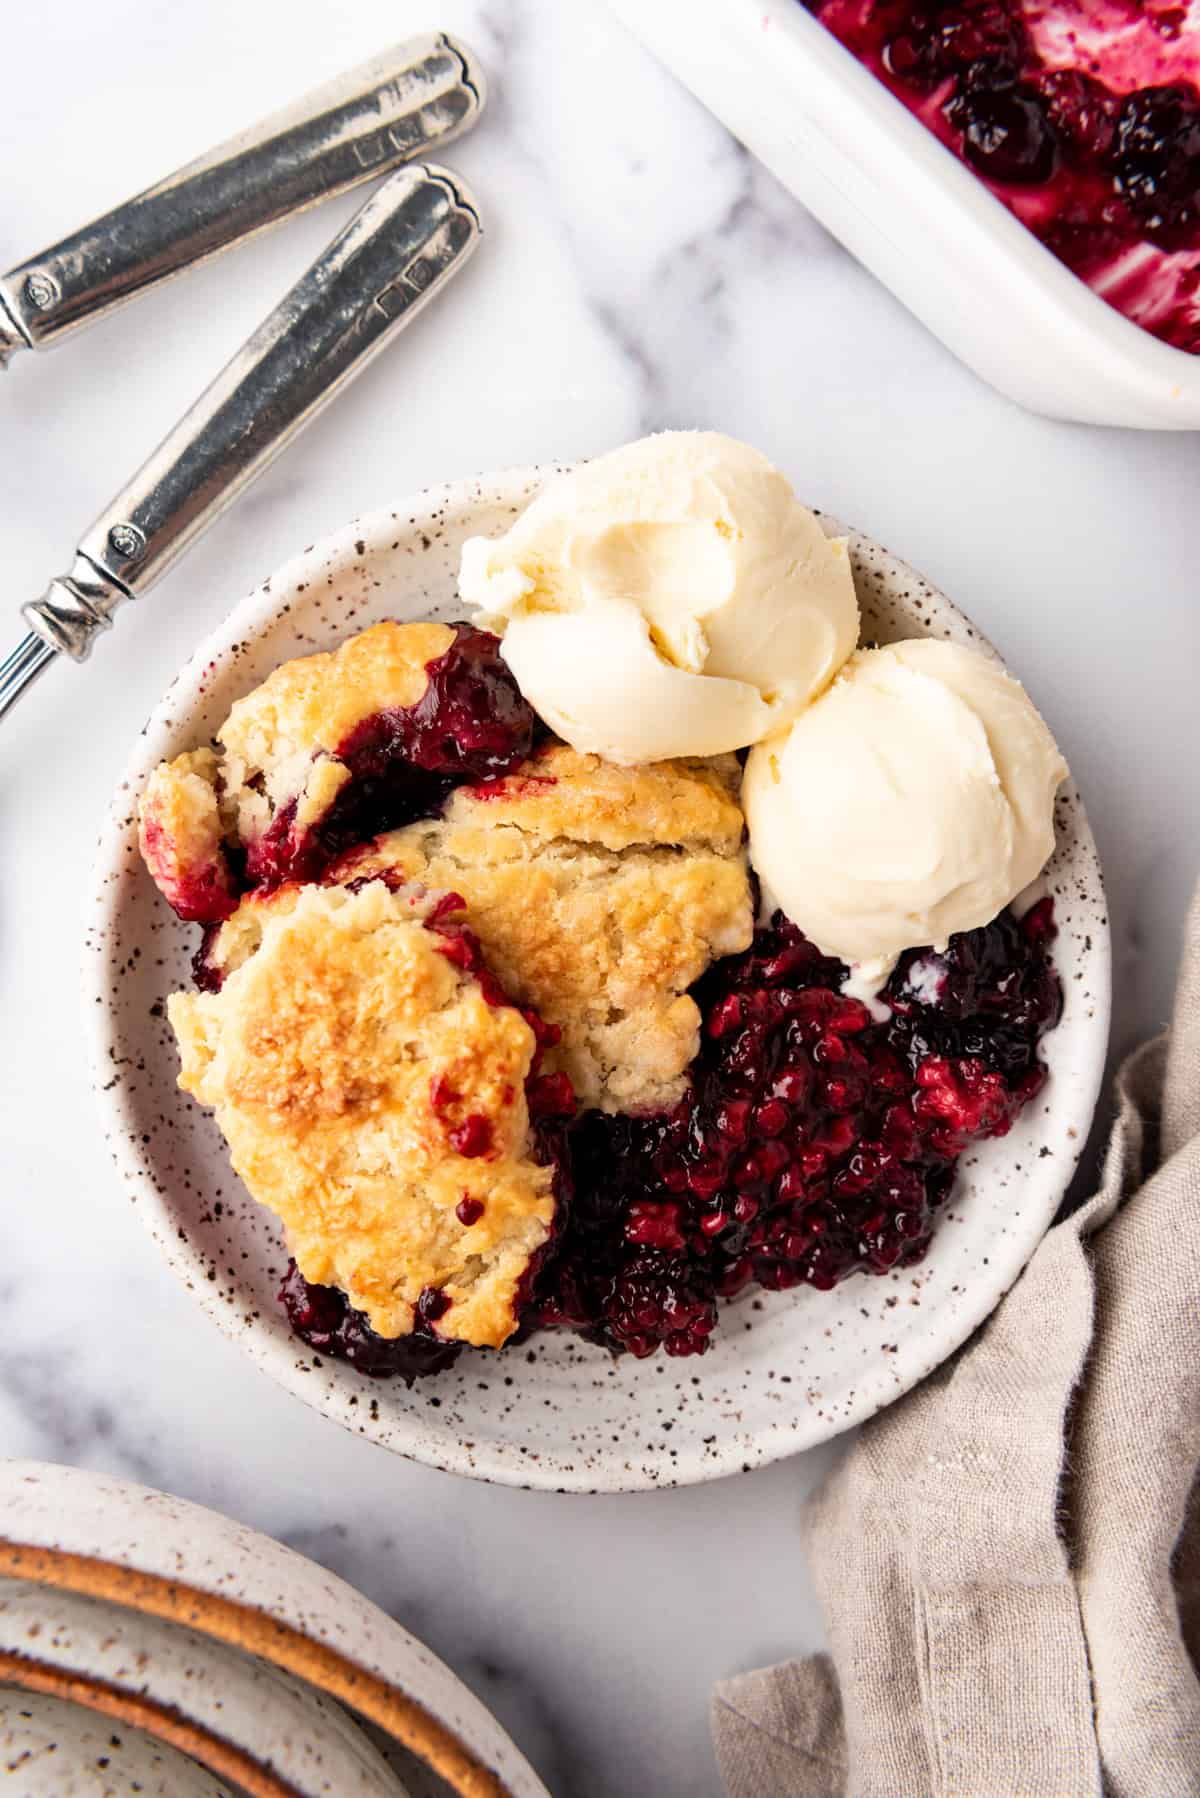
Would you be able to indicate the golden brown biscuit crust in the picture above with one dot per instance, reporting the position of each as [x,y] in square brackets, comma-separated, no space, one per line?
[181,837]
[600,895]
[584,799]
[373,1098]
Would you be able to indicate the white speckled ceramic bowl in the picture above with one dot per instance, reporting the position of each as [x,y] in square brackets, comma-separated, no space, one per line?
[785,1370]
[272,1674]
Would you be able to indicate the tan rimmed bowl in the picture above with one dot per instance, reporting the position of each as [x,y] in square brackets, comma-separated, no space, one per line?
[273,1674]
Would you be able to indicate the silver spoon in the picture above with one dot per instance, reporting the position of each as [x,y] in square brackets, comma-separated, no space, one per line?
[406,102]
[409,239]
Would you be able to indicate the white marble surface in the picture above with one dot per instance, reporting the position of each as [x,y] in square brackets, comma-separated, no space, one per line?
[639,272]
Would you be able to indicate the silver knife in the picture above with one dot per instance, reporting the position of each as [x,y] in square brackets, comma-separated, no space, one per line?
[410,238]
[404,103]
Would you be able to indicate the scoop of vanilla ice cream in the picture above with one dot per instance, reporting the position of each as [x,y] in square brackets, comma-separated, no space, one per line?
[913,800]
[673,598]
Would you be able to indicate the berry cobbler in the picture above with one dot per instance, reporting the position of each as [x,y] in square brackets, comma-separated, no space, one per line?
[1083,118]
[518,1033]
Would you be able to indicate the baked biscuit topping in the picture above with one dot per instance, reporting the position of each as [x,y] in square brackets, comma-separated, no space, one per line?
[583,798]
[372,1092]
[181,837]
[600,894]
[330,749]
[281,742]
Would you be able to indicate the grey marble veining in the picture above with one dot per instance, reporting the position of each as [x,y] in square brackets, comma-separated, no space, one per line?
[639,271]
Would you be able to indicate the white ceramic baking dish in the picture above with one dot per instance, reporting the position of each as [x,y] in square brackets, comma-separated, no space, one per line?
[917,218]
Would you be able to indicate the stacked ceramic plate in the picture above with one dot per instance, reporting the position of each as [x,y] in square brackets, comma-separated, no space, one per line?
[150,1646]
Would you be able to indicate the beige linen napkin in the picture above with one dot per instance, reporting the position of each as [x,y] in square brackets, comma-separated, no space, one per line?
[1009,1558]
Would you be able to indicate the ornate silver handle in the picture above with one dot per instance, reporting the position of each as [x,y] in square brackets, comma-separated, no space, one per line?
[405,243]
[412,98]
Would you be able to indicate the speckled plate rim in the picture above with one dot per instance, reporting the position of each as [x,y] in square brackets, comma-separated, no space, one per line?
[271,1609]
[272,1347]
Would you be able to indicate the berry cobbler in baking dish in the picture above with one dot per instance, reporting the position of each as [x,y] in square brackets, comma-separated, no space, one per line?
[538,995]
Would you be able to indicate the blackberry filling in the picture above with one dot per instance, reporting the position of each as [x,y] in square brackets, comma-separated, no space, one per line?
[1156,162]
[1096,171]
[815,1142]
[324,1318]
